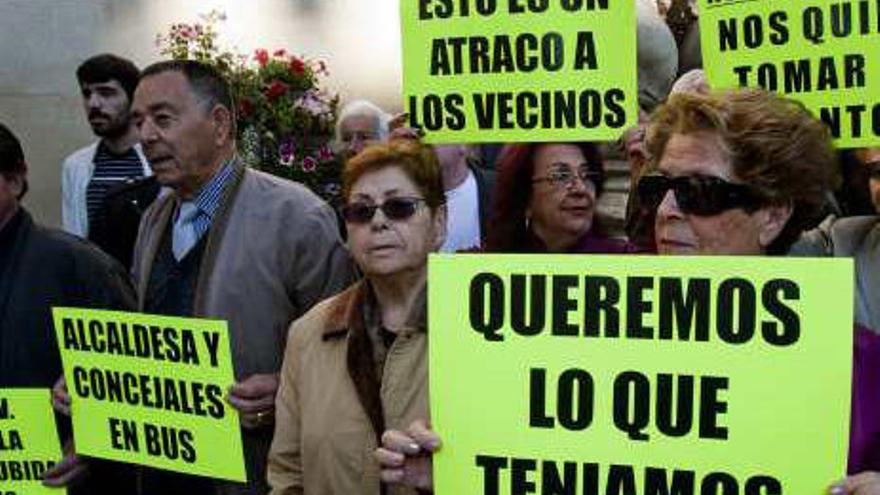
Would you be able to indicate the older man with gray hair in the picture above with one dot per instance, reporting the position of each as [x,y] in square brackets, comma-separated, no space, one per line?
[360,123]
[228,242]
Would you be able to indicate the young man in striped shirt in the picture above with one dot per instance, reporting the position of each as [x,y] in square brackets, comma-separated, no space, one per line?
[107,83]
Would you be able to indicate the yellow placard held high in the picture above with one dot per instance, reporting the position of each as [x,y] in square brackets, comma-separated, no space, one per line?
[639,374]
[150,390]
[520,70]
[824,54]
[28,442]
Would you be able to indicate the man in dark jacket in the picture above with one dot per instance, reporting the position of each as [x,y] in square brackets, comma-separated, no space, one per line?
[41,268]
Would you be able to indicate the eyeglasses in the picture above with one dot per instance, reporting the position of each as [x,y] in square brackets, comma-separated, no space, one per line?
[699,195]
[564,177]
[393,208]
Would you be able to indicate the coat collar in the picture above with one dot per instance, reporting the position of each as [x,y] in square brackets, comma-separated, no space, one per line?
[347,311]
[346,321]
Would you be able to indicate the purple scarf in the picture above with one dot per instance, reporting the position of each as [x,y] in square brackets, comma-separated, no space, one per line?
[864,436]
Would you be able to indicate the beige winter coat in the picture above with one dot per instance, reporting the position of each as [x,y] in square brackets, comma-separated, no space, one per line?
[332,409]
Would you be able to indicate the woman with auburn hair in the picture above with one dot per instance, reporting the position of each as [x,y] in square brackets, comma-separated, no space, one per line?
[744,173]
[357,363]
[545,200]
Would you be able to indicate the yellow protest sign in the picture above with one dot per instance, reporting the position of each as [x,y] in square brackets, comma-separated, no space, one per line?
[638,375]
[151,390]
[824,54]
[520,70]
[28,442]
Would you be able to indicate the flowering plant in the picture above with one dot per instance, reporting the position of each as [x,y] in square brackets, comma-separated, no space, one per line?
[285,120]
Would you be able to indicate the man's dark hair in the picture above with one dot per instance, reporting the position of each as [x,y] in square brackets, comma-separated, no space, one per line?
[12,157]
[209,85]
[108,67]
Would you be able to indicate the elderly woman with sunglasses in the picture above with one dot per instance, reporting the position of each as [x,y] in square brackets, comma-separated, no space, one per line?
[545,201]
[744,173]
[356,364]
[736,174]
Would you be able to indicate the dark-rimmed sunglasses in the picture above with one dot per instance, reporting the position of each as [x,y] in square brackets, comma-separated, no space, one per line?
[397,209]
[701,195]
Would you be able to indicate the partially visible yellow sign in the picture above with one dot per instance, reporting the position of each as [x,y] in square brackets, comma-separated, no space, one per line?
[639,374]
[520,70]
[28,442]
[150,390]
[825,54]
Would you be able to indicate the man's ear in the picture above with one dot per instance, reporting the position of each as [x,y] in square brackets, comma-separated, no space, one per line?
[17,184]
[223,124]
[772,220]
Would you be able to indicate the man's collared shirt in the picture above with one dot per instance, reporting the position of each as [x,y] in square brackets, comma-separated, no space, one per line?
[207,200]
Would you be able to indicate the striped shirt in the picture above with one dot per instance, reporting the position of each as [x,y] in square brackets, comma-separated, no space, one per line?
[207,201]
[110,171]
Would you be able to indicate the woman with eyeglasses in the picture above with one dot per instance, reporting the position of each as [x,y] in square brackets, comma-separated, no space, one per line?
[738,173]
[356,364]
[545,201]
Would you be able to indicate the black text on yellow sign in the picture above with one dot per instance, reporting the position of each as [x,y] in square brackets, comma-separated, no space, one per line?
[154,389]
[821,53]
[514,69]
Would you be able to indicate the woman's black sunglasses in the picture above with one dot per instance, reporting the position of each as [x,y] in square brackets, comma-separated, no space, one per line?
[393,209]
[701,195]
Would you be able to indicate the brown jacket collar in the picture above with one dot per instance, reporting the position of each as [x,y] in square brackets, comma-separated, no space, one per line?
[346,313]
[346,320]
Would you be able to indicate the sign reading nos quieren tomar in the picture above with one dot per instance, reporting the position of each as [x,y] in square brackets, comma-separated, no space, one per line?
[825,54]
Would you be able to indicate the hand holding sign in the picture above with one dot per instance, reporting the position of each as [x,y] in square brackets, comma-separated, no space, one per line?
[255,399]
[71,470]
[61,397]
[867,483]
[405,457]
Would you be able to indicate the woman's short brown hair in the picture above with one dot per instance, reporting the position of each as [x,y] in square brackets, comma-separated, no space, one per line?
[774,145]
[418,161]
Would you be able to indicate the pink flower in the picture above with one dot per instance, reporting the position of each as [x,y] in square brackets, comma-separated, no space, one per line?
[309,164]
[287,160]
[279,53]
[325,154]
[311,102]
[262,57]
